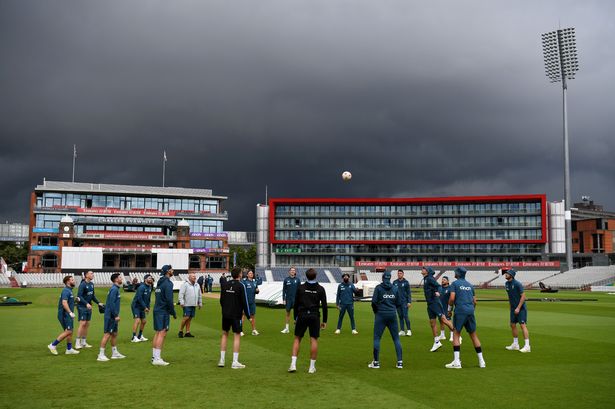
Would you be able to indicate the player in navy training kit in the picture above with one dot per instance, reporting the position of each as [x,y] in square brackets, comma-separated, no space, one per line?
[464,301]
[385,302]
[518,310]
[344,300]
[251,291]
[140,307]
[112,320]
[434,308]
[289,289]
[445,294]
[85,296]
[311,297]
[403,289]
[234,303]
[163,309]
[66,305]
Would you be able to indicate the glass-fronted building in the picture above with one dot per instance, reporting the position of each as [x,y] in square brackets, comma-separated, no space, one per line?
[342,232]
[131,225]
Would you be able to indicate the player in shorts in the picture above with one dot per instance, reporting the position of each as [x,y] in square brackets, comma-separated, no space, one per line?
[434,308]
[140,307]
[66,305]
[163,309]
[112,320]
[234,303]
[518,311]
[311,297]
[289,289]
[85,296]
[251,290]
[463,300]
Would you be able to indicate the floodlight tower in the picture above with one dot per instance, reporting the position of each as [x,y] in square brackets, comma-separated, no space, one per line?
[561,64]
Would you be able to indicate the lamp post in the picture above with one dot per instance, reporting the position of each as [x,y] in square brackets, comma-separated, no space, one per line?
[561,64]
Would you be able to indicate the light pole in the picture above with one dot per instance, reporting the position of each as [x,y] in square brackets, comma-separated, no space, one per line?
[561,64]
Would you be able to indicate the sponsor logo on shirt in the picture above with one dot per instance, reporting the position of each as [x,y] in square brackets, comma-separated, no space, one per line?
[461,287]
[389,296]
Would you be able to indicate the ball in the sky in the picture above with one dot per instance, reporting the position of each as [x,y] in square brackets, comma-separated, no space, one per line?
[346,176]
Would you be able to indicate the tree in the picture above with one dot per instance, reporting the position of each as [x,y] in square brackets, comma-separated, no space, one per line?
[14,254]
[246,256]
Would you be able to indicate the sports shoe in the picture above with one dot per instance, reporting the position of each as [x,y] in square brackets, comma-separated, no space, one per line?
[86,345]
[374,365]
[142,339]
[402,333]
[355,332]
[408,333]
[312,369]
[77,345]
[513,347]
[526,349]
[242,334]
[71,351]
[102,358]
[450,338]
[453,365]
[482,364]
[436,346]
[292,368]
[337,332]
[255,332]
[285,331]
[135,339]
[237,365]
[180,334]
[221,363]
[117,355]
[400,365]
[52,349]
[159,362]
[188,335]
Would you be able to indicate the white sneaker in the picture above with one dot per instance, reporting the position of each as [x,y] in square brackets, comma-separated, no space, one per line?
[237,365]
[221,363]
[292,368]
[52,349]
[436,346]
[513,347]
[285,331]
[159,362]
[525,349]
[242,334]
[408,333]
[312,369]
[450,338]
[255,332]
[135,339]
[453,365]
[77,345]
[117,355]
[86,345]
[355,332]
[102,358]
[402,333]
[482,364]
[337,332]
[374,365]
[72,351]
[142,339]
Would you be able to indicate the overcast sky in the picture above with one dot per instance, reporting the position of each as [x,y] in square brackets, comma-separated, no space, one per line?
[416,99]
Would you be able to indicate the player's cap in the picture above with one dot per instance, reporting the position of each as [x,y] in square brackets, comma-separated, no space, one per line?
[429,270]
[509,271]
[166,268]
[386,275]
[345,275]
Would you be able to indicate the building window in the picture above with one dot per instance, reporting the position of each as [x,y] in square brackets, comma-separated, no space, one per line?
[49,260]
[216,262]
[195,262]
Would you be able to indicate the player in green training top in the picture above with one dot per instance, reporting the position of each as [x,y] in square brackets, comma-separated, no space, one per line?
[518,310]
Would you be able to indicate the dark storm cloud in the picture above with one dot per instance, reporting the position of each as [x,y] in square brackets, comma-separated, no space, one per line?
[444,98]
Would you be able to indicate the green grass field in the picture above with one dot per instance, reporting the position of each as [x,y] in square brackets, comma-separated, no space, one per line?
[572,363]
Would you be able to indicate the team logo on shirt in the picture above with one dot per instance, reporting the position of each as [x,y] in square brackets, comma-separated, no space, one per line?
[461,287]
[388,296]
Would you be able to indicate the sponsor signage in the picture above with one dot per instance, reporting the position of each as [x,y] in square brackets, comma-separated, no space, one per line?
[210,250]
[210,235]
[125,236]
[123,212]
[494,264]
[44,230]
[45,248]
[287,251]
[120,220]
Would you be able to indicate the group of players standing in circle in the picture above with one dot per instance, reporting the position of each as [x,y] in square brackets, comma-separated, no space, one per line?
[390,302]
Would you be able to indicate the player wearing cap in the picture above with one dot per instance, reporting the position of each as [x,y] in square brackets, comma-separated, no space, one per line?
[403,289]
[85,296]
[344,300]
[518,310]
[112,319]
[66,305]
[189,298]
[311,297]
[163,309]
[289,289]
[434,308]
[234,303]
[251,290]
[464,300]
[140,307]
[385,302]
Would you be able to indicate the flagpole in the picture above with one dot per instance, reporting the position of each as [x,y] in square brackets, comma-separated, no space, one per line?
[164,166]
[74,160]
